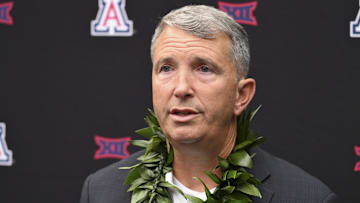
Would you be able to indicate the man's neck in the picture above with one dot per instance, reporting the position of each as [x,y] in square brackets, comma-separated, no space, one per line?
[192,160]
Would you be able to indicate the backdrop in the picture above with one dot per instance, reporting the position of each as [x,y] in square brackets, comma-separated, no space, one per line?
[75,82]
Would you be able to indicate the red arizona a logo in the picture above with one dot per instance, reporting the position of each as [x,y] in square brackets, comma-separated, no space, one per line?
[5,154]
[111,19]
[355,25]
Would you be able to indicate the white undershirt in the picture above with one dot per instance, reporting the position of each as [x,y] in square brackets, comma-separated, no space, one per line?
[177,197]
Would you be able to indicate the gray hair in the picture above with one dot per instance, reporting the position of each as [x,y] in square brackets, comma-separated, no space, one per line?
[204,22]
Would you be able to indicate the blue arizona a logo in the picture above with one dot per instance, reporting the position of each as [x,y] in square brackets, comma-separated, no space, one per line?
[111,19]
[5,9]
[355,25]
[5,153]
[112,147]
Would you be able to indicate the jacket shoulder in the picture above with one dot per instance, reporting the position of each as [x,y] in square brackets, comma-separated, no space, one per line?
[113,170]
[291,183]
[107,184]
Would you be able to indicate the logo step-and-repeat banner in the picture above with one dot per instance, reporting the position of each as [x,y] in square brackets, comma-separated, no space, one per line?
[76,82]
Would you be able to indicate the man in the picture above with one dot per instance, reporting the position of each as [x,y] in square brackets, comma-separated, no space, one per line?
[200,62]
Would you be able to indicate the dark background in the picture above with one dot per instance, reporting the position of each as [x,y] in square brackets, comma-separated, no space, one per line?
[59,87]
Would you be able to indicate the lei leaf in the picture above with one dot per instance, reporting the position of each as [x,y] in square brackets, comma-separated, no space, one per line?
[241,158]
[147,178]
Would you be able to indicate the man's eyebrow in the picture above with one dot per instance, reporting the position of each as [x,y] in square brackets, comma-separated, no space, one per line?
[197,60]
[167,59]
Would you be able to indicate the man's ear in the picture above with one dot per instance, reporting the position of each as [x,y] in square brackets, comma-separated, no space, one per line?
[245,92]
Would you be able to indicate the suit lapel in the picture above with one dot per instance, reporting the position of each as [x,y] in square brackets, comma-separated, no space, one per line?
[266,195]
[261,172]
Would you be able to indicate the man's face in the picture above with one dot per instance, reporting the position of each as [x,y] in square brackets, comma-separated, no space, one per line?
[194,86]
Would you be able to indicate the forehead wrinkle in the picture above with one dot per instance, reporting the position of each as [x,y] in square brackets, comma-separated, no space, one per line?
[176,45]
[186,47]
[184,42]
[181,40]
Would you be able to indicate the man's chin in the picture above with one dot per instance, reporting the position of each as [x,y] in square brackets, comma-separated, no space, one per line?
[185,138]
[189,141]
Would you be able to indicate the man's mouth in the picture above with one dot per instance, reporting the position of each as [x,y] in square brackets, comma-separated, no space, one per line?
[183,111]
[183,114]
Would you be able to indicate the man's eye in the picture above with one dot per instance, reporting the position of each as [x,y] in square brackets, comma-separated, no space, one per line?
[165,68]
[204,69]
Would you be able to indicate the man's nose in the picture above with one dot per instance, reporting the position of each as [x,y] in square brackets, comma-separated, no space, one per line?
[183,86]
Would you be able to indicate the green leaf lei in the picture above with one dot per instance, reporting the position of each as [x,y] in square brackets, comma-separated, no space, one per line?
[147,178]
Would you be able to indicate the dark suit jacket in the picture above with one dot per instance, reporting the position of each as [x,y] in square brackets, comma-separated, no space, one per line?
[283,182]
